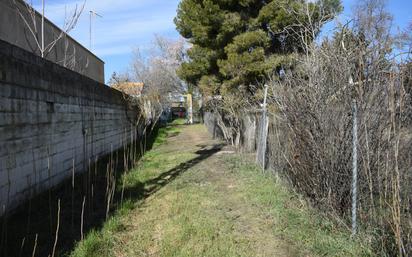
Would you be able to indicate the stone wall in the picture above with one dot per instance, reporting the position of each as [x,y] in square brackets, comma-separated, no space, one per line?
[51,120]
[67,52]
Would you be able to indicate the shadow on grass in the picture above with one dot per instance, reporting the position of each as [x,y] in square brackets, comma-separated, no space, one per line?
[32,227]
[152,186]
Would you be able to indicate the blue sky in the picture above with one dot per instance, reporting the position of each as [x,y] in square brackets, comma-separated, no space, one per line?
[400,9]
[129,24]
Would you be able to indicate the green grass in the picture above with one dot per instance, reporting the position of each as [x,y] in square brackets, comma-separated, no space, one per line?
[298,222]
[100,243]
[179,121]
[165,132]
[222,206]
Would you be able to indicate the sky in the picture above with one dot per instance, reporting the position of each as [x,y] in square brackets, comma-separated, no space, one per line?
[400,9]
[125,26]
[130,24]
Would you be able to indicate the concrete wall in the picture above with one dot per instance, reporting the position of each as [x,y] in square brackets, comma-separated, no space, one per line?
[210,121]
[249,131]
[251,138]
[50,116]
[67,52]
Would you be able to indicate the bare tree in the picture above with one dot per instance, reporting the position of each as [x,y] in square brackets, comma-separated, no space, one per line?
[30,18]
[157,70]
[71,59]
[117,79]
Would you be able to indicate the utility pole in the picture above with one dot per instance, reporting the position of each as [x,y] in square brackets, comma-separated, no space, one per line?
[92,15]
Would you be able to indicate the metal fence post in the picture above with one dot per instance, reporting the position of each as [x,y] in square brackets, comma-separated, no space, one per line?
[261,149]
[354,165]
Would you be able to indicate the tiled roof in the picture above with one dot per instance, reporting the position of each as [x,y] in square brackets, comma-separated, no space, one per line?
[130,88]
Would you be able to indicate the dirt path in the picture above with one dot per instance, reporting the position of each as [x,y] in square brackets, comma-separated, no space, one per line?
[219,198]
[201,199]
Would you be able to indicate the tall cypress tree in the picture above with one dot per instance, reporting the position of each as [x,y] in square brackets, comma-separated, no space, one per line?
[237,43]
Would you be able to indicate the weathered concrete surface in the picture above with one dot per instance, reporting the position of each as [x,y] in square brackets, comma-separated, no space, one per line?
[51,117]
[67,52]
[249,133]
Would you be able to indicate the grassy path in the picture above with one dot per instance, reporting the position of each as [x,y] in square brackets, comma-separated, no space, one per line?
[203,200]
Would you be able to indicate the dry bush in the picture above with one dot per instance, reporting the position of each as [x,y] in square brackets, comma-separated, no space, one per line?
[311,137]
[234,116]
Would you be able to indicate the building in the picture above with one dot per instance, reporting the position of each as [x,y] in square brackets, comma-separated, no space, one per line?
[66,52]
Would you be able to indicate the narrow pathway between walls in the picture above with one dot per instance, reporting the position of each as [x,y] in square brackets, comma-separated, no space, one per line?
[202,199]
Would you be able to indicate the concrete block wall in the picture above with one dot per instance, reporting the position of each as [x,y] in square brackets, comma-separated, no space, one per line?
[50,118]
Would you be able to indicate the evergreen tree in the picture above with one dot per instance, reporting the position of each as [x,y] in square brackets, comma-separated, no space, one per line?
[237,43]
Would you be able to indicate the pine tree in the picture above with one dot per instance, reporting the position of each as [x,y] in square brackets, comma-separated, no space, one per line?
[237,43]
